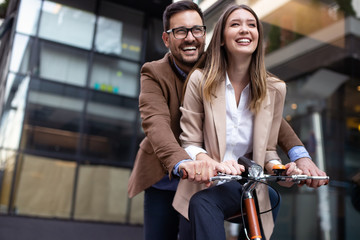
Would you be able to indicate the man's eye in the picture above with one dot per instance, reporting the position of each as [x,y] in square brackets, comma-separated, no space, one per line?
[180,31]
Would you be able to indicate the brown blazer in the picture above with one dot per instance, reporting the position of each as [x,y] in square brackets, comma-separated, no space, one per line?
[159,102]
[203,125]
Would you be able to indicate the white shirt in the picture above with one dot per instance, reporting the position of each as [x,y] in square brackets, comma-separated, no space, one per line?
[239,125]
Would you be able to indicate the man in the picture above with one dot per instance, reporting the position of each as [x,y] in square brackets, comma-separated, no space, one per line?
[159,101]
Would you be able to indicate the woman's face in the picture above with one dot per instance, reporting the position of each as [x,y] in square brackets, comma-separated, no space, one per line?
[240,33]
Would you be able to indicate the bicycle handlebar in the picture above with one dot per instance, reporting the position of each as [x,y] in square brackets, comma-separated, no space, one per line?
[267,178]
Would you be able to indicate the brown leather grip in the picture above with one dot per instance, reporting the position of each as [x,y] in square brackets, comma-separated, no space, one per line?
[252,217]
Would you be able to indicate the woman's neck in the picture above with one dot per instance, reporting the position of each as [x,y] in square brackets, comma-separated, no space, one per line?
[238,72]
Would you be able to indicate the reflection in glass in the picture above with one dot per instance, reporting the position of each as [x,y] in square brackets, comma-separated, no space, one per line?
[109,35]
[45,187]
[109,127]
[52,118]
[28,16]
[13,115]
[100,194]
[67,25]
[115,76]
[21,54]
[62,64]
[125,30]
[7,166]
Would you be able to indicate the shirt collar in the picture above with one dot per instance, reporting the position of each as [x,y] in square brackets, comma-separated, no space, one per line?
[181,72]
[228,83]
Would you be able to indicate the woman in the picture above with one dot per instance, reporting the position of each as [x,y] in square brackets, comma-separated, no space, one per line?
[231,108]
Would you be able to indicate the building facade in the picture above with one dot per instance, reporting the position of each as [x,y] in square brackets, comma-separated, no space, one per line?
[70,127]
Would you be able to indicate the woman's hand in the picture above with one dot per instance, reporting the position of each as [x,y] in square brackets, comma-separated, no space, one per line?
[204,167]
[232,167]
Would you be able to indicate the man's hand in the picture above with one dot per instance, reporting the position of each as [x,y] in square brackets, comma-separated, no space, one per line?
[309,168]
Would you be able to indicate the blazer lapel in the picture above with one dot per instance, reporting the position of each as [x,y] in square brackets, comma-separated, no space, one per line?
[218,107]
[262,124]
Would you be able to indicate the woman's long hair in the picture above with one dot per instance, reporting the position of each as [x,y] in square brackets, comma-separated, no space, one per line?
[216,61]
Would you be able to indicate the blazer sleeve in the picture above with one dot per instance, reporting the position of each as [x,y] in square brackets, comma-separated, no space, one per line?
[192,118]
[278,89]
[156,119]
[287,137]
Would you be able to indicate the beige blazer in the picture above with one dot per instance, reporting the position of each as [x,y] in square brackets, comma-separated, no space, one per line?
[203,125]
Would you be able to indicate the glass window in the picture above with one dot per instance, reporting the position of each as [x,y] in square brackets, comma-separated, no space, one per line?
[21,54]
[7,170]
[137,209]
[115,76]
[28,16]
[109,127]
[45,187]
[100,194]
[14,109]
[53,117]
[119,34]
[62,64]
[109,36]
[67,25]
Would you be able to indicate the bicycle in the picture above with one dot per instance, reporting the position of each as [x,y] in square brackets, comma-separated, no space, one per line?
[255,175]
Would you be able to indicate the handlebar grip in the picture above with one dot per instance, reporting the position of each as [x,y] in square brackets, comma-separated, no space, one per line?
[183,174]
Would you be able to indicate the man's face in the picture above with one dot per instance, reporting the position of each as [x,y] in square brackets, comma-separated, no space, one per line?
[188,50]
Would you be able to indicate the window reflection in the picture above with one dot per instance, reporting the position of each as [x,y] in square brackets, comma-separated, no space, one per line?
[45,187]
[109,36]
[100,194]
[115,76]
[21,54]
[109,127]
[52,118]
[12,117]
[67,25]
[28,19]
[63,64]
[7,166]
[119,34]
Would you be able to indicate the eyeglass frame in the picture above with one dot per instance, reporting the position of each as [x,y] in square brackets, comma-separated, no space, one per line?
[187,31]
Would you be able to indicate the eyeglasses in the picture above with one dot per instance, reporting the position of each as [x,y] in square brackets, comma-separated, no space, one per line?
[182,32]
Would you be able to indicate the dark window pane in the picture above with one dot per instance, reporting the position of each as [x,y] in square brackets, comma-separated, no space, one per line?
[109,127]
[52,118]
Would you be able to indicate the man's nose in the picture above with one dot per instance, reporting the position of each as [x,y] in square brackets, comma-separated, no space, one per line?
[189,36]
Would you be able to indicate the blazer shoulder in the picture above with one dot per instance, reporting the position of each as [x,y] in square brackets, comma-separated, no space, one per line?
[276,84]
[196,76]
[159,67]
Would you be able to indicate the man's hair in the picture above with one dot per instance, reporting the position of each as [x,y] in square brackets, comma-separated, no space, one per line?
[177,7]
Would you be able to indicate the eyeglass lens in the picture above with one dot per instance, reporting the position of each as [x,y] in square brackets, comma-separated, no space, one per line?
[183,32]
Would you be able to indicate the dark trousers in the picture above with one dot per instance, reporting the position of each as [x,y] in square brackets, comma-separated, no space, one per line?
[209,208]
[161,220]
